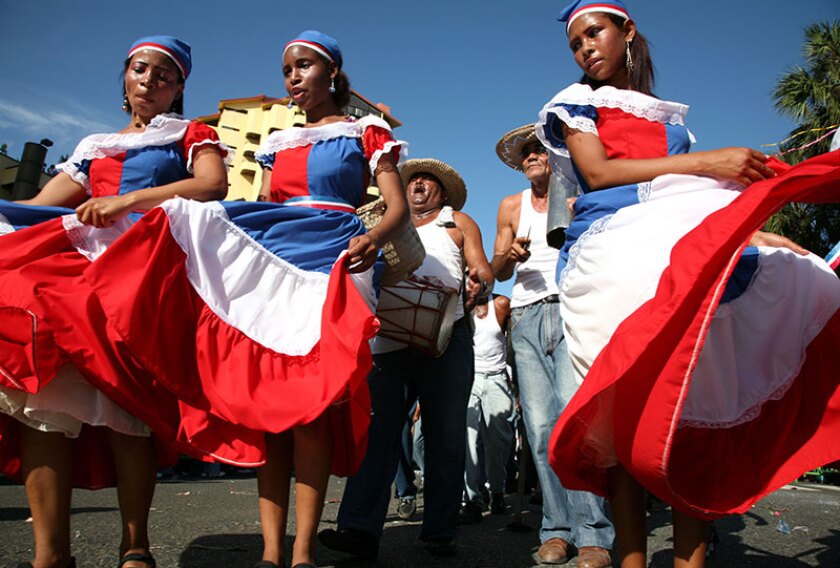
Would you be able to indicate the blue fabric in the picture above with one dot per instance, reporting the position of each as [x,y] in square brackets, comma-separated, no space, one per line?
[576,5]
[22,216]
[553,128]
[177,50]
[443,387]
[590,207]
[679,142]
[266,161]
[311,239]
[742,276]
[152,166]
[546,384]
[489,434]
[404,481]
[337,167]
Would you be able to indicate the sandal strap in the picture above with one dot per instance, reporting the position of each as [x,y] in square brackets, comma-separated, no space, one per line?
[138,557]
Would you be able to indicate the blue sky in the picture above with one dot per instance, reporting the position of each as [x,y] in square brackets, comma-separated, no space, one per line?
[457,74]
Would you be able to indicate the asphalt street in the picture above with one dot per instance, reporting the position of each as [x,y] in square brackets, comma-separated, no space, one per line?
[214,523]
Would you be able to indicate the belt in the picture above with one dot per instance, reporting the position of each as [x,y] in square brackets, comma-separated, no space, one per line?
[552,299]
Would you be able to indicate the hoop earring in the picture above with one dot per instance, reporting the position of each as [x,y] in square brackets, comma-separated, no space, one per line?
[125,106]
[332,85]
[628,59]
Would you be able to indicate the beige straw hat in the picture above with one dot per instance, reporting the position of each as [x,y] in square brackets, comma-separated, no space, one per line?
[453,183]
[509,147]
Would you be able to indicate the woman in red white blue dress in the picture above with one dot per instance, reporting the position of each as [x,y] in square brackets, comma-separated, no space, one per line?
[72,411]
[262,311]
[703,362]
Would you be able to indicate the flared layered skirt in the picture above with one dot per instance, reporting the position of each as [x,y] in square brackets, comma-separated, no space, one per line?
[705,368]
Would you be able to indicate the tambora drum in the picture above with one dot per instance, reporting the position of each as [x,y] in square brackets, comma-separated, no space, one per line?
[418,314]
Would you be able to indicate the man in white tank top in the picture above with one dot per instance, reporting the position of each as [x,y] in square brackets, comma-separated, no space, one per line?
[489,412]
[401,375]
[571,519]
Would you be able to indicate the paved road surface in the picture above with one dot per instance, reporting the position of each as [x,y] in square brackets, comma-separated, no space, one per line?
[214,523]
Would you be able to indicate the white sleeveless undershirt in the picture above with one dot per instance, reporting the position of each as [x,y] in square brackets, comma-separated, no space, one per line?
[443,261]
[489,340]
[534,277]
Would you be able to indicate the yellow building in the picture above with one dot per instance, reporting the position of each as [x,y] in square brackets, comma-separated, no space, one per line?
[243,123]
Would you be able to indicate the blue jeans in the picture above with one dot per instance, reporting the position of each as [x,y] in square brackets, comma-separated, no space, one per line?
[443,388]
[546,384]
[489,419]
[404,480]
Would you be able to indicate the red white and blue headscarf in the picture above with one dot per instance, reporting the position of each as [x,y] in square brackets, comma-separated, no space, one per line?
[580,7]
[177,50]
[321,43]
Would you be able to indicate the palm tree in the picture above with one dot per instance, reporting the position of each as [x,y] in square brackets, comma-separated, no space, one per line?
[808,96]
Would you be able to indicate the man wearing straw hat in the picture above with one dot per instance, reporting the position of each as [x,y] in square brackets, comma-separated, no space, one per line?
[571,519]
[436,193]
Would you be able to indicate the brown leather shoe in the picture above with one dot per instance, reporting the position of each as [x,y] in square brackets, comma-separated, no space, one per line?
[554,551]
[593,557]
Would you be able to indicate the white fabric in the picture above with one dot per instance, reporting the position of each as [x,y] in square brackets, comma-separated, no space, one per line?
[443,264]
[534,277]
[5,226]
[65,404]
[489,342]
[234,275]
[91,241]
[790,294]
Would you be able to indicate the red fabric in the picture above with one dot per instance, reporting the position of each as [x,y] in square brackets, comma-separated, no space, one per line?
[105,175]
[198,134]
[374,139]
[292,179]
[626,136]
[648,363]
[42,289]
[232,390]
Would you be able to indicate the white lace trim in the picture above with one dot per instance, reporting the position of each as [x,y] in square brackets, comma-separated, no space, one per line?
[643,191]
[819,321]
[582,123]
[298,136]
[75,174]
[374,160]
[750,414]
[227,158]
[162,130]
[632,102]
[598,226]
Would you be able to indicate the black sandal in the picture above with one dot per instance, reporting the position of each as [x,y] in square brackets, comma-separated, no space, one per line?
[146,559]
[267,564]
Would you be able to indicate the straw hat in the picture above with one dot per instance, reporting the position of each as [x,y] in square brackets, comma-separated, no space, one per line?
[453,183]
[509,147]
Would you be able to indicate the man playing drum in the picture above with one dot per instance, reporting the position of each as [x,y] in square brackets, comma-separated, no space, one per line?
[544,371]
[401,374]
